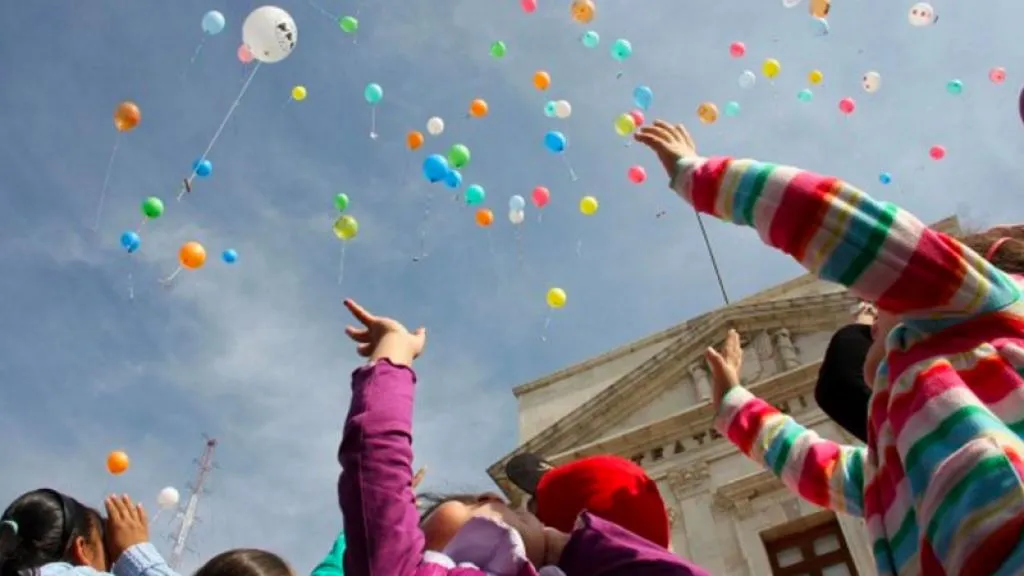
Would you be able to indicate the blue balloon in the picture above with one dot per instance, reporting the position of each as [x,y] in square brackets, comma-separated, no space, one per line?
[213,22]
[373,93]
[885,178]
[435,168]
[643,96]
[202,167]
[516,203]
[230,256]
[453,179]
[590,39]
[550,109]
[555,142]
[130,241]
[475,194]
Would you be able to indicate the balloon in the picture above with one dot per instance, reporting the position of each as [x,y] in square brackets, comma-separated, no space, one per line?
[475,194]
[847,106]
[516,217]
[590,39]
[541,80]
[563,109]
[516,203]
[192,255]
[130,241]
[922,14]
[747,80]
[127,116]
[638,117]
[624,125]
[117,462]
[885,178]
[478,108]
[643,97]
[551,109]
[997,75]
[152,207]
[872,82]
[458,155]
[341,202]
[771,68]
[202,168]
[213,22]
[270,33]
[820,26]
[555,142]
[955,87]
[622,49]
[815,77]
[373,93]
[529,6]
[168,498]
[582,11]
[484,217]
[435,126]
[636,174]
[414,139]
[346,227]
[805,95]
[737,49]
[556,298]
[790,3]
[937,152]
[299,93]
[435,167]
[348,24]
[820,8]
[588,205]
[498,49]
[540,196]
[707,113]
[453,179]
[229,256]
[244,55]
[731,109]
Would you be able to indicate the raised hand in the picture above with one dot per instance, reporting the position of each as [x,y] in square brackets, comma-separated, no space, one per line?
[725,367]
[670,143]
[383,338]
[127,525]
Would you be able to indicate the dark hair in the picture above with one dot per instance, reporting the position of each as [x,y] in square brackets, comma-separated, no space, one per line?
[245,562]
[1003,246]
[429,502]
[39,527]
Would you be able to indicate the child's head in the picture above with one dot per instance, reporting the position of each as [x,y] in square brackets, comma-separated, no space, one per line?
[444,516]
[245,562]
[45,526]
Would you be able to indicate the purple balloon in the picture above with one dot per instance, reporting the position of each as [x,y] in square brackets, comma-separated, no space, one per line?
[1020,104]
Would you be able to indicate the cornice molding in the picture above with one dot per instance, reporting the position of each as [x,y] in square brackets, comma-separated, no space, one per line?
[737,496]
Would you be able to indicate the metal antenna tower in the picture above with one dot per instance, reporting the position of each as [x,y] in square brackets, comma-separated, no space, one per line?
[188,515]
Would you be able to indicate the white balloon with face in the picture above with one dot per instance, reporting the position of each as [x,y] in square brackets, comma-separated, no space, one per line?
[435,126]
[872,82]
[922,14]
[563,109]
[516,217]
[270,33]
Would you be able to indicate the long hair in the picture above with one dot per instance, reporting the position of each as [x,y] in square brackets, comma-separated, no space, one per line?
[245,562]
[39,527]
[1003,246]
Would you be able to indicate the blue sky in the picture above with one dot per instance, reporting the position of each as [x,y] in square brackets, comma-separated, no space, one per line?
[255,355]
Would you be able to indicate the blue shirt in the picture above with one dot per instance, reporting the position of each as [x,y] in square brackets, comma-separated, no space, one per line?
[139,560]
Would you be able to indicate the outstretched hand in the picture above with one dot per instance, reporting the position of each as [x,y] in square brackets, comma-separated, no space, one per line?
[725,367]
[670,143]
[382,338]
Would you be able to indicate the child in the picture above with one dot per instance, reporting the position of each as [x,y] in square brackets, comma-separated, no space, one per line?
[245,562]
[474,536]
[940,480]
[48,533]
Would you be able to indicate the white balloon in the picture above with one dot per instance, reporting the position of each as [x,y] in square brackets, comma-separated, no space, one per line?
[516,216]
[872,82]
[922,14]
[270,34]
[790,3]
[563,109]
[747,79]
[435,126]
[168,498]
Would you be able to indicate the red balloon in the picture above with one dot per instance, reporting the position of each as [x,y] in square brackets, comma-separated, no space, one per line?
[637,174]
[737,49]
[638,117]
[937,152]
[541,196]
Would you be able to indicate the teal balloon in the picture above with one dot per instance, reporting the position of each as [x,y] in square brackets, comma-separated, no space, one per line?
[805,95]
[955,87]
[590,39]
[622,49]
[731,109]
[475,194]
[550,109]
[373,93]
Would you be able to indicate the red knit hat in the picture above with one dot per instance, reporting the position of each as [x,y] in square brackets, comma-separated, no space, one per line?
[609,487]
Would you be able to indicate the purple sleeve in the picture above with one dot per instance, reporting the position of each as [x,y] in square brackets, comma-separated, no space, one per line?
[375,488]
[601,548]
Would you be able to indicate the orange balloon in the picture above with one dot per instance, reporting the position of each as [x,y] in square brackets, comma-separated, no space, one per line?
[484,217]
[478,108]
[414,140]
[583,11]
[192,255]
[127,116]
[541,80]
[117,462]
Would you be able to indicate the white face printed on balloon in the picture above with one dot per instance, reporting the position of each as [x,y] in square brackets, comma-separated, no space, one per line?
[270,33]
[922,14]
[871,82]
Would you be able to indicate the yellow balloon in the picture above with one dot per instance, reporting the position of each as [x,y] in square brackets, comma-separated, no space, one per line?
[556,298]
[771,68]
[624,125]
[815,77]
[588,205]
[346,227]
[707,112]
[299,93]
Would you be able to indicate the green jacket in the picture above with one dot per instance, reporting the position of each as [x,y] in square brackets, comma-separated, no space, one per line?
[333,564]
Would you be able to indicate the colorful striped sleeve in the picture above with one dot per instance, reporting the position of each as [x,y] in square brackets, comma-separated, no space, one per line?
[823,472]
[882,253]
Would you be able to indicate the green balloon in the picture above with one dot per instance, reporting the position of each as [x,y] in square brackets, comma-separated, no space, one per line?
[341,202]
[348,24]
[152,207]
[458,156]
[498,49]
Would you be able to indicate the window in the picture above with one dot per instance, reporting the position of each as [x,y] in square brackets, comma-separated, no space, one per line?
[810,546]
[657,454]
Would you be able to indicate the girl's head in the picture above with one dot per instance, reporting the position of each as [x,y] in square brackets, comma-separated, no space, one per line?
[245,562]
[444,516]
[45,526]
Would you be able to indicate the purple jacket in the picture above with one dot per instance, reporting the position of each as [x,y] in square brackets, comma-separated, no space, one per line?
[382,522]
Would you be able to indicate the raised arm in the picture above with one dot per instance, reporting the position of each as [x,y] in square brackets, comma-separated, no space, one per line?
[142,560]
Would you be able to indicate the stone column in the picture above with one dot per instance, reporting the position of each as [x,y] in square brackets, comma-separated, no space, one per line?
[701,383]
[787,351]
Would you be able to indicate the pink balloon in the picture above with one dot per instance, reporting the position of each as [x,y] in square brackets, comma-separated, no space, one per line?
[244,54]
[638,117]
[541,196]
[847,106]
[737,49]
[997,75]
[937,152]
[637,174]
[529,6]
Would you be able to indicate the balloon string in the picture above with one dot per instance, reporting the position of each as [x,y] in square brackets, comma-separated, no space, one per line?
[106,182]
[579,248]
[167,281]
[519,245]
[711,255]
[424,226]
[141,226]
[373,123]
[572,173]
[341,263]
[544,332]
[322,10]
[195,56]
[220,129]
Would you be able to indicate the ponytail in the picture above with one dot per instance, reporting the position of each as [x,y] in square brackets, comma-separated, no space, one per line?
[39,528]
[10,542]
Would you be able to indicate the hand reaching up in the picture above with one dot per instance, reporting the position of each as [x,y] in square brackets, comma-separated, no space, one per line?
[383,338]
[670,143]
[725,367]
[127,525]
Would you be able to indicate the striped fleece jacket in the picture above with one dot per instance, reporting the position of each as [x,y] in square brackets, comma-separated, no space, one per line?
[940,481]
